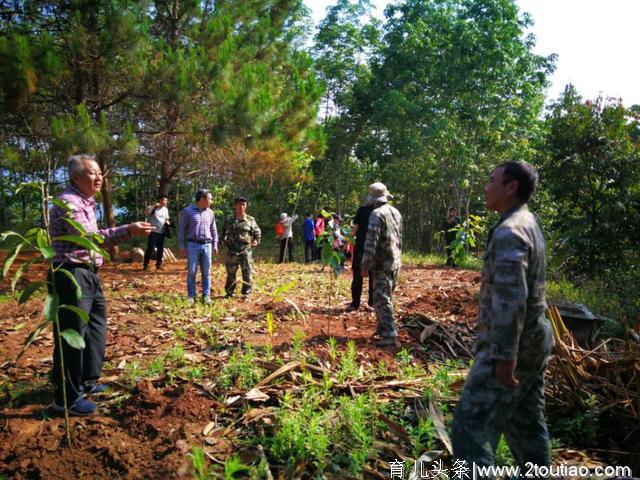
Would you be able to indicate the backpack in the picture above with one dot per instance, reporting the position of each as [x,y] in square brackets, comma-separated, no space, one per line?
[280,229]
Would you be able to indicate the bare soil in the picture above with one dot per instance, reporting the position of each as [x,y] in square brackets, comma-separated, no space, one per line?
[146,430]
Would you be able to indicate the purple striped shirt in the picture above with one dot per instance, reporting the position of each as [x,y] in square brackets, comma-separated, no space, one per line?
[83,211]
[198,225]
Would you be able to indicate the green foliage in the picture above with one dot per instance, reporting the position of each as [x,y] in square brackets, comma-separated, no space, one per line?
[467,237]
[591,172]
[242,370]
[198,463]
[423,436]
[297,345]
[348,368]
[175,355]
[323,431]
[454,88]
[408,366]
[359,417]
[581,428]
[233,466]
[302,432]
[503,453]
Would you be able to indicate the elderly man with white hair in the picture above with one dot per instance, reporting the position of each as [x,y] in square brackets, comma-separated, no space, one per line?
[82,367]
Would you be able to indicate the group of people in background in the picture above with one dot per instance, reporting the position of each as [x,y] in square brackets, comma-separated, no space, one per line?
[375,249]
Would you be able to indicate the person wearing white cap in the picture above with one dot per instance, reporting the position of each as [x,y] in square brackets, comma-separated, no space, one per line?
[381,260]
[286,235]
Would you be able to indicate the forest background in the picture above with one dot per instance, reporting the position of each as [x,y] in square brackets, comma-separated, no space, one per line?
[249,97]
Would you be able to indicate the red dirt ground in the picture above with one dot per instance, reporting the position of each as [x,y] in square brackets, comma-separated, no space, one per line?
[149,434]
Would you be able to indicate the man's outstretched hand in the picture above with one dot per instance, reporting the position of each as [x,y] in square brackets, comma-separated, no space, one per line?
[140,229]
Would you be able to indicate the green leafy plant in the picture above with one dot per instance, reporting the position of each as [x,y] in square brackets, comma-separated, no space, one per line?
[503,454]
[233,466]
[423,436]
[198,463]
[297,345]
[467,233]
[241,370]
[348,363]
[359,418]
[582,428]
[333,348]
[302,431]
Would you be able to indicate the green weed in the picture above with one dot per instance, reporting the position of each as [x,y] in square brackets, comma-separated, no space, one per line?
[302,432]
[382,369]
[175,355]
[359,420]
[233,466]
[133,373]
[503,454]
[423,436]
[241,370]
[348,364]
[297,345]
[194,373]
[156,367]
[409,368]
[198,463]
[582,428]
[332,344]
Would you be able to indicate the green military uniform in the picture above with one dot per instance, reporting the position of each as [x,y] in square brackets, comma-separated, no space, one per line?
[381,257]
[238,234]
[512,326]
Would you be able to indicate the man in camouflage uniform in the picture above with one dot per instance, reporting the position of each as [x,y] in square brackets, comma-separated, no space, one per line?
[381,259]
[504,392]
[240,234]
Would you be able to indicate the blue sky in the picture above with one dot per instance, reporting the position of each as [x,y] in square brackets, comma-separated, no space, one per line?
[596,42]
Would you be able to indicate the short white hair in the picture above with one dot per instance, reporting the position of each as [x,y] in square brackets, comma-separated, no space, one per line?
[75,163]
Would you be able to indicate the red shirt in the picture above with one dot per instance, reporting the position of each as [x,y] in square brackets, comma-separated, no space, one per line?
[319,226]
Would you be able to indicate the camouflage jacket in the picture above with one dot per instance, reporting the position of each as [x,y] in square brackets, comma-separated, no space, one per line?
[512,320]
[383,245]
[238,234]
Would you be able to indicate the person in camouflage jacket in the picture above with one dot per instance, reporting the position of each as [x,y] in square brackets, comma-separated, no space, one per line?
[240,234]
[381,259]
[504,391]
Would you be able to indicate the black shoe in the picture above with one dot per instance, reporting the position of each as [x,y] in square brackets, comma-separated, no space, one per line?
[352,308]
[230,295]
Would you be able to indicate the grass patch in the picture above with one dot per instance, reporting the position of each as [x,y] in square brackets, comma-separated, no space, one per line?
[436,259]
[594,297]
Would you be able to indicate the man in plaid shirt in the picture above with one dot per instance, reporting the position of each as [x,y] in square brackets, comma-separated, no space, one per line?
[198,238]
[82,366]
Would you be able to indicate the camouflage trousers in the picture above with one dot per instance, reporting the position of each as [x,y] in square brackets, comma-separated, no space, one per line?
[243,260]
[487,409]
[383,284]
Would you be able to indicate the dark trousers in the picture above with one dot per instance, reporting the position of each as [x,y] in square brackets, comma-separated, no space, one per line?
[288,244]
[81,366]
[155,240]
[450,260]
[357,282]
[309,250]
